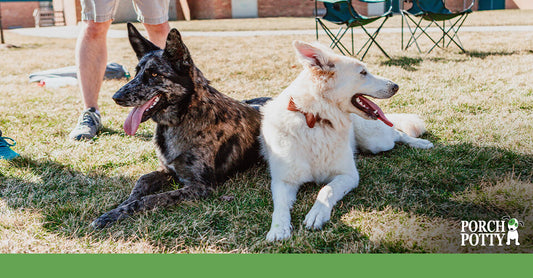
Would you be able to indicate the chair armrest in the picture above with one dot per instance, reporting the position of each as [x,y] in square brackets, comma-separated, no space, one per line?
[373,1]
[417,2]
[366,1]
[381,1]
[471,4]
[352,10]
[332,1]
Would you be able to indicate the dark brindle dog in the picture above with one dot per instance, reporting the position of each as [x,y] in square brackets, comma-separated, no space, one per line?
[202,136]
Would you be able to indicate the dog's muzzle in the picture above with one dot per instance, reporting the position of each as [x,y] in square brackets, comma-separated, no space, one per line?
[120,98]
[395,88]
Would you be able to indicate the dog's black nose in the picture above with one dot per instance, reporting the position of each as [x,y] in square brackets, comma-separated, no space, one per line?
[395,88]
[119,97]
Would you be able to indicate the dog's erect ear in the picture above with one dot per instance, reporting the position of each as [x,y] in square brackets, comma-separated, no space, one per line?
[175,50]
[312,56]
[140,45]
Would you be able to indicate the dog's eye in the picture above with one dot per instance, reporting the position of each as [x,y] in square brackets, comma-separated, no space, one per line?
[363,72]
[154,74]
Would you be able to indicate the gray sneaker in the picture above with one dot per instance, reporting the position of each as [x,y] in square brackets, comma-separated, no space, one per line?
[88,125]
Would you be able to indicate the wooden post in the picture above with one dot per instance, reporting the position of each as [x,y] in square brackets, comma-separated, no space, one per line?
[1,29]
[185,9]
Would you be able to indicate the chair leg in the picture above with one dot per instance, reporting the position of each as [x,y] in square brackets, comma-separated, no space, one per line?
[423,32]
[335,38]
[372,38]
[413,38]
[452,29]
[454,36]
[459,22]
[353,51]
[316,28]
[336,41]
[402,28]
[450,32]
[443,32]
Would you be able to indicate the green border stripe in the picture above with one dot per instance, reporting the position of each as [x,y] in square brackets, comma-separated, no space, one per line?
[263,265]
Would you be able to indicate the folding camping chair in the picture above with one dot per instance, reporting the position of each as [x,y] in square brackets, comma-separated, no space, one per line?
[435,12]
[341,12]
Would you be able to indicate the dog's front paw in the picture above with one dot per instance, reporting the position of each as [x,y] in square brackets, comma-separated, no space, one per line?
[422,144]
[278,232]
[317,216]
[115,215]
[105,219]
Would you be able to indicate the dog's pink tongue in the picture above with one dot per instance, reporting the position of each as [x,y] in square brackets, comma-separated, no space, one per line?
[379,113]
[135,117]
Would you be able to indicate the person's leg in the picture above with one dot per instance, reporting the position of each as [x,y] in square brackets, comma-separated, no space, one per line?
[154,15]
[91,60]
[157,33]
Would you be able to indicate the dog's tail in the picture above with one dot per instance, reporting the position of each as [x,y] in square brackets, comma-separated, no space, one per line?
[256,103]
[411,124]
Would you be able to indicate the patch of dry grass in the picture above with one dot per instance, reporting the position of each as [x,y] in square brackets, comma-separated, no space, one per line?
[22,231]
[478,112]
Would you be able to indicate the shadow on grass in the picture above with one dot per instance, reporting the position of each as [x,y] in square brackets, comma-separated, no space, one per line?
[447,183]
[411,64]
[63,194]
[485,54]
[145,136]
[406,63]
[418,182]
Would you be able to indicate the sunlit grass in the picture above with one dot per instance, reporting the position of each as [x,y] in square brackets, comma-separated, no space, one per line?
[477,106]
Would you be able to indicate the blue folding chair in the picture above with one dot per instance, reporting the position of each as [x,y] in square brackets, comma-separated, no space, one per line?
[437,14]
[342,13]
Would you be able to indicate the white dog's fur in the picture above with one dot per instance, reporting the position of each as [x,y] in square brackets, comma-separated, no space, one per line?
[300,151]
[374,136]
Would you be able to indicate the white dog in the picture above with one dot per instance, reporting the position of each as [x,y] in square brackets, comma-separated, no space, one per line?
[308,132]
[512,234]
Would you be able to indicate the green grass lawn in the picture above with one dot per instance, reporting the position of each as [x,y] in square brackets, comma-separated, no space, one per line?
[478,107]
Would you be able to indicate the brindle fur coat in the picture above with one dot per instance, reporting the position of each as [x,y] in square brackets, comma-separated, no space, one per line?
[202,136]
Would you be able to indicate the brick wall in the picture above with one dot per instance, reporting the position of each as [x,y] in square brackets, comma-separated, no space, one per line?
[210,9]
[271,8]
[18,14]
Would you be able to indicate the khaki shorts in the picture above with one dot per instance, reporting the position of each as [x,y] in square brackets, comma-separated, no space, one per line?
[148,11]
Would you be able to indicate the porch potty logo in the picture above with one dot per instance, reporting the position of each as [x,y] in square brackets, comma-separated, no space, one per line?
[490,233]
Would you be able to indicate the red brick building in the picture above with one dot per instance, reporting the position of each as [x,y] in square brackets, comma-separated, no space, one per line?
[214,9]
[217,9]
[20,14]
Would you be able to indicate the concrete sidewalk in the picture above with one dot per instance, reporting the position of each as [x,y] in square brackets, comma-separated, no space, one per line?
[73,31]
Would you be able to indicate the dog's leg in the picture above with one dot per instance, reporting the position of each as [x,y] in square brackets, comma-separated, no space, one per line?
[328,196]
[165,199]
[283,195]
[413,142]
[145,185]
[169,198]
[148,184]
